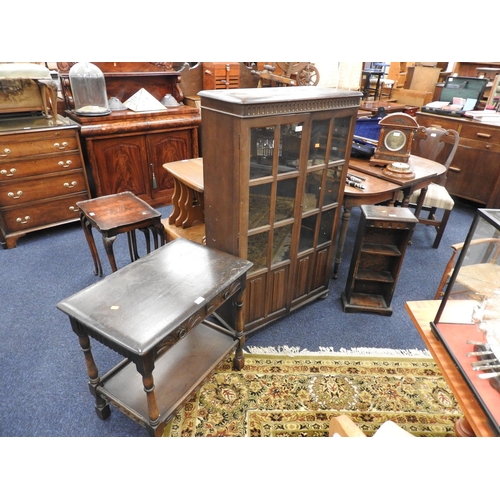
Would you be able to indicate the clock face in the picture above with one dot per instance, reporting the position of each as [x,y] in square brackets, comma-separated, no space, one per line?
[395,140]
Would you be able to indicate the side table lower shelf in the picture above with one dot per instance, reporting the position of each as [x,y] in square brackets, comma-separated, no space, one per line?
[179,372]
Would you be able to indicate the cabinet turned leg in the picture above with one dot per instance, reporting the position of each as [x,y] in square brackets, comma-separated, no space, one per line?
[101,406]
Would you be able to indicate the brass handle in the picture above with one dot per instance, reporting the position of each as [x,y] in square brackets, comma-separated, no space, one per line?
[15,196]
[63,145]
[7,151]
[65,164]
[12,172]
[25,221]
[485,136]
[454,169]
[69,186]
[73,208]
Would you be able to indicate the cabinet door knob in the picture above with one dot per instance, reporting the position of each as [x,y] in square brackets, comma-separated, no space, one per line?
[7,151]
[16,195]
[69,186]
[12,172]
[63,145]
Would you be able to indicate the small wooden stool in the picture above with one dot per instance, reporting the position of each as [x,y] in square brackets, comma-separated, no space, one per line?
[116,214]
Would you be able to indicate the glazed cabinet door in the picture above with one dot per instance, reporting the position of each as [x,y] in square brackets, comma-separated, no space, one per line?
[321,197]
[118,164]
[273,171]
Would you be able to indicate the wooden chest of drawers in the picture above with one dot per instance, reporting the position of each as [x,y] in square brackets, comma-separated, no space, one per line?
[42,176]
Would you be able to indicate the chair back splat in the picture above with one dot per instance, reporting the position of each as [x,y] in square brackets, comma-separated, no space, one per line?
[437,144]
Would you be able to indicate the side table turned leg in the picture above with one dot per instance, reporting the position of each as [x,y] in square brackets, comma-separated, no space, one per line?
[101,406]
[87,230]
[108,245]
[239,358]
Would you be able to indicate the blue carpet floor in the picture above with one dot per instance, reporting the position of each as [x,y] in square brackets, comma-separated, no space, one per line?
[44,386]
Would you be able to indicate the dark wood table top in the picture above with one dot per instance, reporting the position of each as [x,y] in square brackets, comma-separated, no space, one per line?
[133,309]
[116,211]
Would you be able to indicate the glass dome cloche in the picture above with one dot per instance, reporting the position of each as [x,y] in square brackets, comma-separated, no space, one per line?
[89,90]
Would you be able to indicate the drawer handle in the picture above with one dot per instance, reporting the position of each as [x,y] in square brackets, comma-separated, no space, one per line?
[15,196]
[73,208]
[454,169]
[483,135]
[12,172]
[7,151]
[25,221]
[63,145]
[69,186]
[65,164]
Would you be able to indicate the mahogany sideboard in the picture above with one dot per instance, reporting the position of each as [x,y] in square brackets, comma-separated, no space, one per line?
[42,175]
[474,173]
[125,150]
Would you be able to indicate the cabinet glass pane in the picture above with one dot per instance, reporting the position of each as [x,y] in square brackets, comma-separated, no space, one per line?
[257,250]
[313,190]
[326,226]
[285,199]
[332,186]
[289,149]
[259,205]
[261,152]
[339,138]
[281,243]
[319,141]
[307,229]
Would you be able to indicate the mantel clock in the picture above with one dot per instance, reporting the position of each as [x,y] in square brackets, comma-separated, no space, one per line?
[396,136]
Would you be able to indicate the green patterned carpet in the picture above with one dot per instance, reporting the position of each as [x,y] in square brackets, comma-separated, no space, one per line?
[282,395]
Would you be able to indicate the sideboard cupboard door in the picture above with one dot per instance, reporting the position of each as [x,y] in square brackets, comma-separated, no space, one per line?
[163,148]
[274,162]
[117,166]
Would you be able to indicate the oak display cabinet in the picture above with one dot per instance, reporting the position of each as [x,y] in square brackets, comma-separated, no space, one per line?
[379,250]
[275,164]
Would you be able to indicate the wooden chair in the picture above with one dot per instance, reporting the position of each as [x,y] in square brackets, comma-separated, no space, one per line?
[437,144]
[343,426]
[482,277]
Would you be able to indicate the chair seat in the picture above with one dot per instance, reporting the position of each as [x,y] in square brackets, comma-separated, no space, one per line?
[481,278]
[436,196]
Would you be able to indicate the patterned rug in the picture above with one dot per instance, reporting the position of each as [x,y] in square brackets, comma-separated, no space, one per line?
[296,395]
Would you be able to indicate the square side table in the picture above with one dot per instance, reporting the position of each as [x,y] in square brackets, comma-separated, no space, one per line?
[116,214]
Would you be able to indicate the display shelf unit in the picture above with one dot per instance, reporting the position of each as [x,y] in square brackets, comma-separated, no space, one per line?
[381,241]
[274,166]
